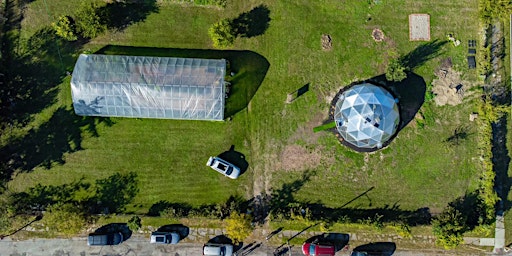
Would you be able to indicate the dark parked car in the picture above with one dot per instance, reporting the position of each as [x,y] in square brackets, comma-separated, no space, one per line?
[105,238]
[312,249]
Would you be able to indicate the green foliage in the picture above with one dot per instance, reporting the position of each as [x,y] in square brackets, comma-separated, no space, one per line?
[449,228]
[483,58]
[238,226]
[402,229]
[222,34]
[219,3]
[88,22]
[395,71]
[65,28]
[134,223]
[64,219]
[491,9]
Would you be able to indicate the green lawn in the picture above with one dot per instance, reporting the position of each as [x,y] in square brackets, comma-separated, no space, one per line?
[417,170]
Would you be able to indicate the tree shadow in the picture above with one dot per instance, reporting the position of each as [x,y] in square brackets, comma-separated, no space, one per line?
[248,68]
[501,164]
[339,240]
[376,249]
[283,198]
[47,144]
[459,134]
[422,54]
[181,229]
[115,192]
[252,23]
[118,15]
[115,228]
[109,195]
[236,158]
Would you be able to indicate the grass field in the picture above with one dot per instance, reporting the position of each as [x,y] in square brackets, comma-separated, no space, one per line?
[418,169]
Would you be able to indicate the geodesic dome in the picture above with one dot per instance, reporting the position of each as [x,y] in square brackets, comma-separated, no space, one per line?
[366,116]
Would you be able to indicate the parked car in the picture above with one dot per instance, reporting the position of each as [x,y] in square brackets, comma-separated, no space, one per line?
[104,238]
[211,249]
[313,249]
[224,167]
[164,238]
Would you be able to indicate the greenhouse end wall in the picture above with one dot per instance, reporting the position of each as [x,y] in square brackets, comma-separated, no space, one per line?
[148,87]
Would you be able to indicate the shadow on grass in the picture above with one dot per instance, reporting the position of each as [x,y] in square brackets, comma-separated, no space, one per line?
[115,228]
[501,164]
[422,54]
[283,205]
[118,15]
[236,158]
[252,23]
[47,144]
[377,248]
[410,93]
[249,67]
[108,195]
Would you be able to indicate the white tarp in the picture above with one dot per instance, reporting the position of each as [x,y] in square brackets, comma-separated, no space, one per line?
[148,87]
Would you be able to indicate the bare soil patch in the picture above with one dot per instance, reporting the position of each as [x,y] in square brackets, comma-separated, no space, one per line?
[448,87]
[377,35]
[326,42]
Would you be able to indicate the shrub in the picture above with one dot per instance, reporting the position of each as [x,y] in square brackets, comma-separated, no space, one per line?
[134,223]
[65,28]
[449,227]
[88,22]
[64,219]
[238,226]
[222,34]
[395,71]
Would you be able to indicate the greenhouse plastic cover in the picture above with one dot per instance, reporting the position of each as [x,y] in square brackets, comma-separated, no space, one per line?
[148,87]
[366,116]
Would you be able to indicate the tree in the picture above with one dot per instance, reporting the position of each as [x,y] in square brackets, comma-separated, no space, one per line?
[65,28]
[64,219]
[238,226]
[395,71]
[88,22]
[222,34]
[134,223]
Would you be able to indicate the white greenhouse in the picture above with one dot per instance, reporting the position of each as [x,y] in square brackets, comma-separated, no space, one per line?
[148,87]
[366,116]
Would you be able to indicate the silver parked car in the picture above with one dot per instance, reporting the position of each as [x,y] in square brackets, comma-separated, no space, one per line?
[164,238]
[224,167]
[212,249]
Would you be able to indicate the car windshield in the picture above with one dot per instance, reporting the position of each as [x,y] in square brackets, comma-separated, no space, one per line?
[312,250]
[160,239]
[222,166]
[229,170]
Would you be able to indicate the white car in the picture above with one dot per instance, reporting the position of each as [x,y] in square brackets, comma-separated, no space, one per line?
[211,249]
[164,238]
[224,167]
